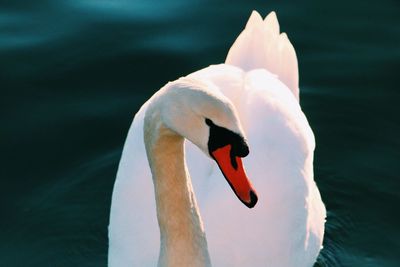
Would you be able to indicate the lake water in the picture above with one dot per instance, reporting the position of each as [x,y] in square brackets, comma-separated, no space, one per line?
[73,73]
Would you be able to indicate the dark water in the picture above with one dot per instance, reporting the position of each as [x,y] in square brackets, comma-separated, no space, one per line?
[73,73]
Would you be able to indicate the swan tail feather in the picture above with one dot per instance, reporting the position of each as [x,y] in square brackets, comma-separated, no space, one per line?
[261,45]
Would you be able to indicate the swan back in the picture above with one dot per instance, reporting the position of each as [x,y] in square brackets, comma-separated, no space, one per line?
[262,46]
[286,226]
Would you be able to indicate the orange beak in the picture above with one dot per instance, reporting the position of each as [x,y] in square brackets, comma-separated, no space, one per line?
[232,169]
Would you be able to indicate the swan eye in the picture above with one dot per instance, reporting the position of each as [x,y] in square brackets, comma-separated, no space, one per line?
[209,122]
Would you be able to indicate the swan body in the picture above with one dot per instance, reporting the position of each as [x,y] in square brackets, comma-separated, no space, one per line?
[258,84]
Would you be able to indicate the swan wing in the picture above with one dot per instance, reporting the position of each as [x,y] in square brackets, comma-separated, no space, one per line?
[260,45]
[286,226]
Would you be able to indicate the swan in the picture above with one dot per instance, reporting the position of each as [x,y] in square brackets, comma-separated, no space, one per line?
[244,125]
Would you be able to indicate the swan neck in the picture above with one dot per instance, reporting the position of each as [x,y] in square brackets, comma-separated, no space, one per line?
[183,241]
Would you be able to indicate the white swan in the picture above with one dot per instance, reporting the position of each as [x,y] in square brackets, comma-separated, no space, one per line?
[254,97]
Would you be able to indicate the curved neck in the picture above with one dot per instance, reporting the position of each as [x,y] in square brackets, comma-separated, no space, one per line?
[183,241]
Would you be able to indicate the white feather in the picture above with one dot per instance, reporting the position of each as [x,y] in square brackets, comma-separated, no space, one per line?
[261,46]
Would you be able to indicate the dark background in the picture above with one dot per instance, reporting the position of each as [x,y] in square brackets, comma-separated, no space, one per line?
[73,73]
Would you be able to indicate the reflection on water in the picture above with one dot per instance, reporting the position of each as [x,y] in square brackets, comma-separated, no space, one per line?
[73,74]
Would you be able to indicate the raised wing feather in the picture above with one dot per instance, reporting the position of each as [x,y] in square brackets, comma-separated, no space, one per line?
[260,45]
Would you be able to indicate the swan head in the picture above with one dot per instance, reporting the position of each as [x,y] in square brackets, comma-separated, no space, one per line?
[202,114]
